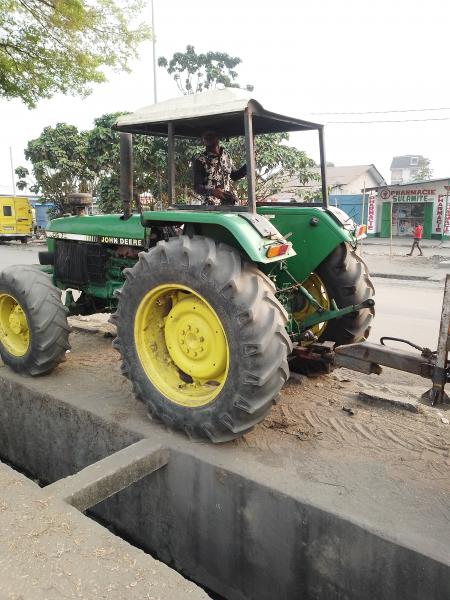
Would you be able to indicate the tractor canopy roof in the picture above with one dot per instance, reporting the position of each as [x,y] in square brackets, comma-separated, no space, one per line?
[219,110]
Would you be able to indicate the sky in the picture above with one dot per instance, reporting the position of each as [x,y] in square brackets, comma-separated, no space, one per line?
[303,58]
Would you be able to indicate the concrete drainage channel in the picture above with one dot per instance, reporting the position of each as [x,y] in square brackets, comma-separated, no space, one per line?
[191,506]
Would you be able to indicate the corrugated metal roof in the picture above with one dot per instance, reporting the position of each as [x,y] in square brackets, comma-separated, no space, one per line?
[403,162]
[214,102]
[344,175]
[340,176]
[413,184]
[336,177]
[221,110]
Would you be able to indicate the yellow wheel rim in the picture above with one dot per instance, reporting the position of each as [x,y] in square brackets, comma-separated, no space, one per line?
[14,330]
[181,345]
[315,286]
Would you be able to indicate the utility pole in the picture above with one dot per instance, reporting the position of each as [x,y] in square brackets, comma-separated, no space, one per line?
[155,93]
[362,211]
[390,243]
[12,171]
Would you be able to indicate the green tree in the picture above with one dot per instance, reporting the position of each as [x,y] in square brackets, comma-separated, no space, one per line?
[195,73]
[51,46]
[149,157]
[60,167]
[23,178]
[277,163]
[66,160]
[424,171]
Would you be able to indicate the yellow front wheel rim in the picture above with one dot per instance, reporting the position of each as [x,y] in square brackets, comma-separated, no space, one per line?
[14,330]
[181,345]
[315,286]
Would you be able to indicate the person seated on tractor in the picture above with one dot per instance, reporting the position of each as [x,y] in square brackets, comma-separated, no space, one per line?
[214,172]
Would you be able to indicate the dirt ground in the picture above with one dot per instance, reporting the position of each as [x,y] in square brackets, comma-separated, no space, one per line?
[327,415]
[310,417]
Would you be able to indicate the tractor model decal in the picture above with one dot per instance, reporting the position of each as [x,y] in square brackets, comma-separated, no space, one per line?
[100,239]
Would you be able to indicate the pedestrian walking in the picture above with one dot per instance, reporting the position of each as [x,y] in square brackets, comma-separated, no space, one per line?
[417,238]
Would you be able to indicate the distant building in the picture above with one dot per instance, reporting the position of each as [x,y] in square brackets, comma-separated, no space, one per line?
[405,168]
[348,180]
[345,185]
[402,207]
[351,180]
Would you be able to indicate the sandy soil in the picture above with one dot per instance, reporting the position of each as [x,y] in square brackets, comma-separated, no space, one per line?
[318,413]
[310,416]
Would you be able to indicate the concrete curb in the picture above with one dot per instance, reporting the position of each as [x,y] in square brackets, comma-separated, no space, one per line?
[50,551]
[403,277]
[217,514]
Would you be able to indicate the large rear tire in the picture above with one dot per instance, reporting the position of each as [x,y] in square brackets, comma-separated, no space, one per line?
[34,333]
[202,337]
[343,277]
[346,279]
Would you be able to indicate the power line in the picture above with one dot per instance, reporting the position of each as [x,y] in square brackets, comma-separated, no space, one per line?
[387,121]
[382,112]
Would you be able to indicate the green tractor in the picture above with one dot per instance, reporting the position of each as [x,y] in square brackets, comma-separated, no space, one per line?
[213,304]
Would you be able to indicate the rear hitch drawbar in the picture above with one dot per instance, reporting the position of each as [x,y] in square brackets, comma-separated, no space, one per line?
[366,357]
[369,358]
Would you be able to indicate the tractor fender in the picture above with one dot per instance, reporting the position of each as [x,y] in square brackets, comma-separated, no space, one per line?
[249,233]
[314,232]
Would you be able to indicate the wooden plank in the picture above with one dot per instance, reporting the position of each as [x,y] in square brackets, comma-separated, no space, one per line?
[442,347]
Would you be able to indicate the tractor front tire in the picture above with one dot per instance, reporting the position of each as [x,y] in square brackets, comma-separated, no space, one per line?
[202,338]
[34,333]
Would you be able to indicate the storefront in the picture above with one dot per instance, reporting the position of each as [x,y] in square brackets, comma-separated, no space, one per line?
[402,207]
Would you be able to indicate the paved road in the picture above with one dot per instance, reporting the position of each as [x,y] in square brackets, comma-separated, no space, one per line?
[19,254]
[409,309]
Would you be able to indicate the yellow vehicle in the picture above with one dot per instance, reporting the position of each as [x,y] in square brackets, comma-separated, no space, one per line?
[16,219]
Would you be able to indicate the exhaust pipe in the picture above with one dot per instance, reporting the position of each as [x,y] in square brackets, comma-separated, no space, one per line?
[126,173]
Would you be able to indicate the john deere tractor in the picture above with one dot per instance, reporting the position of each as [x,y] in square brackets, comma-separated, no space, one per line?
[212,303]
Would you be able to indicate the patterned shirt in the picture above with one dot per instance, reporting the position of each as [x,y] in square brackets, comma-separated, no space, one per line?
[215,171]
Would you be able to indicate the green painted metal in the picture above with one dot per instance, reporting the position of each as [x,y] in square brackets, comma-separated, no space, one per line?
[226,227]
[312,243]
[312,231]
[313,240]
[99,225]
[386,219]
[114,280]
[328,315]
[428,220]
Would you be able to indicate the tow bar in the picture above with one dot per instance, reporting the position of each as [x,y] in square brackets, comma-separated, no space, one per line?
[366,357]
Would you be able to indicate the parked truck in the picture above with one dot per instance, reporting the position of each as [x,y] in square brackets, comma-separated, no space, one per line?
[16,219]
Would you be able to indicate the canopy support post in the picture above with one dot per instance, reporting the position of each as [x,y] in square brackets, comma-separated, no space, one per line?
[126,173]
[170,162]
[323,168]
[250,157]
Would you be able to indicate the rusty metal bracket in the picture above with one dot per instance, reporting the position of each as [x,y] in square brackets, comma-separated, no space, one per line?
[314,359]
[367,358]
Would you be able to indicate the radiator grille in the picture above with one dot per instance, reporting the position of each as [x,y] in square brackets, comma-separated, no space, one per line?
[80,263]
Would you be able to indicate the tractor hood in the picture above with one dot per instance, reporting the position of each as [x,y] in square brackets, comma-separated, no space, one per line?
[104,229]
